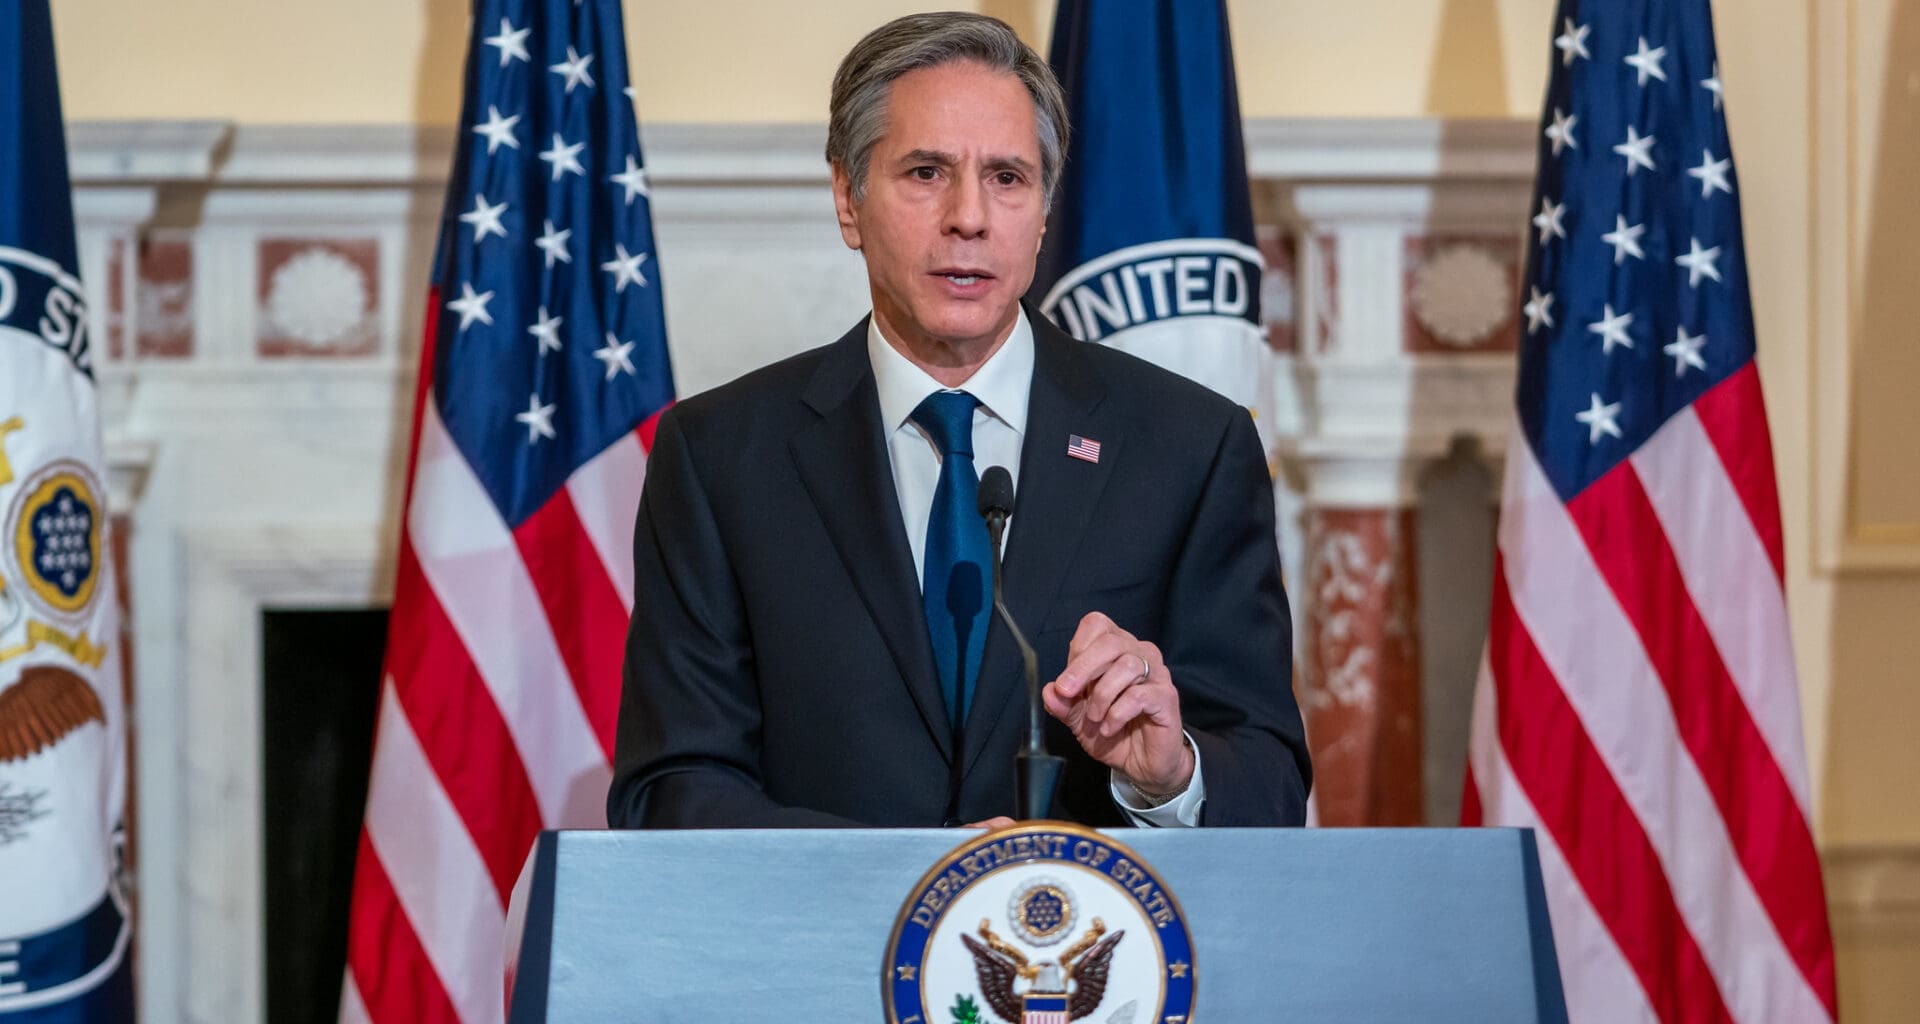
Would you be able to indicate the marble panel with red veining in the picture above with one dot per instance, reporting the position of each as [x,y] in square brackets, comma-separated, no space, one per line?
[163,297]
[1280,288]
[1360,688]
[1327,301]
[114,302]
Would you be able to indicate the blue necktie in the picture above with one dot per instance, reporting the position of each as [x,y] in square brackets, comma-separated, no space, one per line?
[955,581]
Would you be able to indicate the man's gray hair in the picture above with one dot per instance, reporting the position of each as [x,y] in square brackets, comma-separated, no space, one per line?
[858,111]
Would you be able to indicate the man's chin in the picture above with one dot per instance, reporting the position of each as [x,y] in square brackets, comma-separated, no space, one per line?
[972,323]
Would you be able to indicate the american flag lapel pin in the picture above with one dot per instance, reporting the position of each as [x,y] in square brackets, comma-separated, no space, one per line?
[1086,449]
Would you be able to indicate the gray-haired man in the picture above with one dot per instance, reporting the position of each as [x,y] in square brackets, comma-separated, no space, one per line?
[811,644]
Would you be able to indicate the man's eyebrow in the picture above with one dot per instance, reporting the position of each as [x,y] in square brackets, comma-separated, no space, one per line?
[1010,162]
[930,156]
[941,159]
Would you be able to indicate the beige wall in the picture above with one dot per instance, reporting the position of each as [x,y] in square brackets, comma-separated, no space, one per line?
[396,61]
[1824,98]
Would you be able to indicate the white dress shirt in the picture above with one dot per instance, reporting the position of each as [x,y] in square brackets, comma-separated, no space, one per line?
[1001,386]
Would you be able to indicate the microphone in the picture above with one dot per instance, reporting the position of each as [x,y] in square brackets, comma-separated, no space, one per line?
[1036,772]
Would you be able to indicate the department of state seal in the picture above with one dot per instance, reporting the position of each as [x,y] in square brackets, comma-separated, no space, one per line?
[1042,923]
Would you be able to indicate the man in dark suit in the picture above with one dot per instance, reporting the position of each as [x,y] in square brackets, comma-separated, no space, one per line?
[811,641]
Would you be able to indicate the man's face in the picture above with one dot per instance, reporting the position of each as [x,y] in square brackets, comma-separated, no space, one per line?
[951,222]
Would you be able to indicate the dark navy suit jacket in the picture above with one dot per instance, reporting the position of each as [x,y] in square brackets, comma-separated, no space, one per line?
[778,669]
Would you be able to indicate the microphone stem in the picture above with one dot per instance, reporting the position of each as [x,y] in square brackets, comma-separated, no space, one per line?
[1036,772]
[1036,737]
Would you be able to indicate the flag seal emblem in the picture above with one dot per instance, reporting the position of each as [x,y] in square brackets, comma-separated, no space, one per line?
[54,534]
[1039,923]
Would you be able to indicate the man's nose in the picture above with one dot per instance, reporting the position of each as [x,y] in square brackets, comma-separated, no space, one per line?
[966,212]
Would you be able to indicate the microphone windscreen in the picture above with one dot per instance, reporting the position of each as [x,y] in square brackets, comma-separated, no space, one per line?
[996,491]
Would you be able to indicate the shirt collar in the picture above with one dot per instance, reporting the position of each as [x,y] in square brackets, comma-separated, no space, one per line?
[1001,384]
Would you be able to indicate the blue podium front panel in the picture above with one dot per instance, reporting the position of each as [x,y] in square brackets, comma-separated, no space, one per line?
[1430,925]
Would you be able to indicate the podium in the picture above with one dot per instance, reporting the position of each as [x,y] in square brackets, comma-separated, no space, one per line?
[1431,925]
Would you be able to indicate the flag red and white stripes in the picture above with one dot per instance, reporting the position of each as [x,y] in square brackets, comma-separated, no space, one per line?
[1638,707]
[490,730]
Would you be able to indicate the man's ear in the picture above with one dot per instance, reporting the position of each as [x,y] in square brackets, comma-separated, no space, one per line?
[843,207]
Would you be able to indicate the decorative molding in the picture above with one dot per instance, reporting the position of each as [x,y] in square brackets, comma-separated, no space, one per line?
[1873,892]
[1377,426]
[1295,149]
[1391,149]
[171,399]
[129,465]
[231,578]
[1841,544]
[115,152]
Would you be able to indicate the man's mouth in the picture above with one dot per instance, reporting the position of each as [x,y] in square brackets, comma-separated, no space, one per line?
[963,276]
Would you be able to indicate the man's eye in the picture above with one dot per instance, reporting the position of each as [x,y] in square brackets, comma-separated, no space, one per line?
[1007,178]
[925,173]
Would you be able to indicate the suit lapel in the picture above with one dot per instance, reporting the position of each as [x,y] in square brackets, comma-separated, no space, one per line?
[1051,512]
[842,460]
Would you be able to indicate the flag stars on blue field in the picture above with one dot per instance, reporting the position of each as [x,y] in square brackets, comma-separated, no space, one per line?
[538,419]
[1625,239]
[1539,309]
[1685,351]
[1601,418]
[1699,262]
[485,218]
[633,180]
[550,163]
[1560,132]
[1646,63]
[1612,329]
[1712,174]
[497,130]
[511,42]
[564,157]
[1572,43]
[625,268]
[574,70]
[546,331]
[1548,219]
[472,306]
[553,243]
[617,354]
[1638,150]
[1635,244]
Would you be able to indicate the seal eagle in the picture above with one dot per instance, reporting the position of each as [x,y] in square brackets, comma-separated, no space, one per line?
[1080,973]
[42,708]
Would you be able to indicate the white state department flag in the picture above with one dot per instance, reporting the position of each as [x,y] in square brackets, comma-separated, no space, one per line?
[64,923]
[1150,242]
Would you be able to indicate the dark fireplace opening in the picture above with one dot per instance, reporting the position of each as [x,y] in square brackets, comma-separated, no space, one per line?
[322,672]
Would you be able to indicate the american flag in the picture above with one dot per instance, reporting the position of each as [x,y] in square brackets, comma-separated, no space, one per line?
[544,367]
[1637,705]
[1083,448]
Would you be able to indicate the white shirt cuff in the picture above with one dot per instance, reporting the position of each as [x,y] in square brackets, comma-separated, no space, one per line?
[1182,811]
